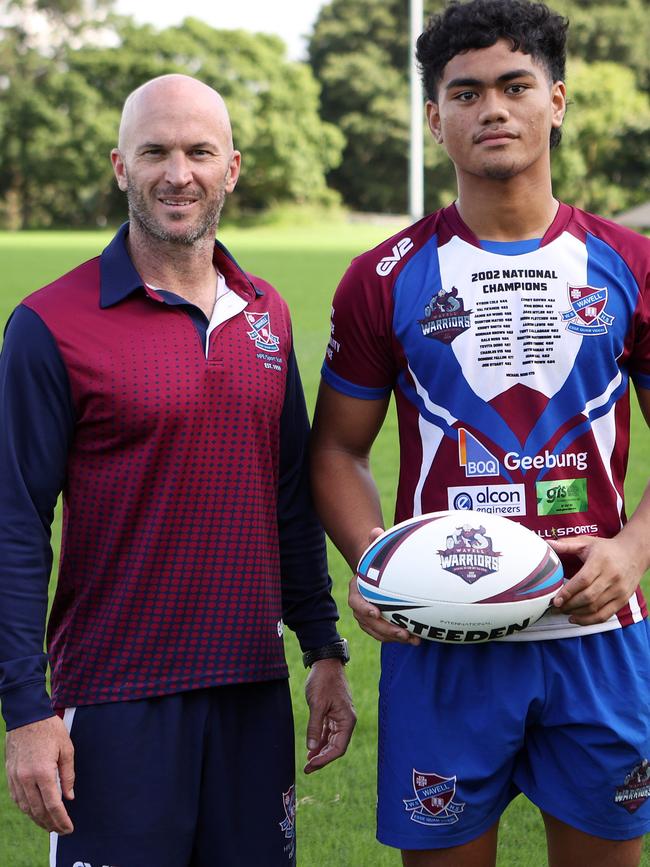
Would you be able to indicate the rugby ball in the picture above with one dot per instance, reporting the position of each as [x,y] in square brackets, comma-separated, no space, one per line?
[460,576]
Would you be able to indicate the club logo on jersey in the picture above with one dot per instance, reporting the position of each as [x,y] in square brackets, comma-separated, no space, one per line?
[261,333]
[434,800]
[635,789]
[469,554]
[587,314]
[386,265]
[445,316]
[476,459]
[288,824]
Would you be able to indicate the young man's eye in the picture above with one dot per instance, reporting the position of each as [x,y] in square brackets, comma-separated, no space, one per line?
[465,96]
[517,89]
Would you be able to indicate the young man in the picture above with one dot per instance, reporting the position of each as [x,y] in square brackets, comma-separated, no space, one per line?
[157,386]
[508,326]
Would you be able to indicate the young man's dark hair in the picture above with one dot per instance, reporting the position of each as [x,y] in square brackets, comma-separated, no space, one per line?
[531,27]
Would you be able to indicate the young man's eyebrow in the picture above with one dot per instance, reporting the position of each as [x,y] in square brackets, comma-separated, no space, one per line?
[477,82]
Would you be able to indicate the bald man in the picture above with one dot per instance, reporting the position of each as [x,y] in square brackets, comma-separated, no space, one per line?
[156,386]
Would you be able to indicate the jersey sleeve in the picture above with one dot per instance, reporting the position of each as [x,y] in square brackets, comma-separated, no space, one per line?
[35,431]
[359,361]
[308,606]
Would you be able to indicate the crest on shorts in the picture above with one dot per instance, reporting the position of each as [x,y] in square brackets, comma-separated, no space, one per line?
[445,316]
[261,333]
[288,824]
[587,314]
[635,789]
[434,800]
[469,554]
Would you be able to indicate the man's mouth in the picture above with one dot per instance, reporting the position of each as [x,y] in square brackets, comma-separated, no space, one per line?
[491,135]
[177,203]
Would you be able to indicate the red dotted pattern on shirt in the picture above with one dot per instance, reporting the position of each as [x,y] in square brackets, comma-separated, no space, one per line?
[169,576]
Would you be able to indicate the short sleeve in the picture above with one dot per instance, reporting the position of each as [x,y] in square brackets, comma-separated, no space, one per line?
[360,360]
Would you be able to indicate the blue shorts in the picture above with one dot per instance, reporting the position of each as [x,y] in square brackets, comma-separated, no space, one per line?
[194,779]
[463,730]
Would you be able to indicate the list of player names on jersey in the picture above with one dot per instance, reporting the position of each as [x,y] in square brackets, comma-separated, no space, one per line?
[516,332]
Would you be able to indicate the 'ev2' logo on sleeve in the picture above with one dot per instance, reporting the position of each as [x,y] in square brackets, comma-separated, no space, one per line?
[386,265]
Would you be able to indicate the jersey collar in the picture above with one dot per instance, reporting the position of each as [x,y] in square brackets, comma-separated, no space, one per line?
[119,278]
[453,220]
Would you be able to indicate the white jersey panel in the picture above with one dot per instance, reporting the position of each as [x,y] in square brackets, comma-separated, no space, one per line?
[516,305]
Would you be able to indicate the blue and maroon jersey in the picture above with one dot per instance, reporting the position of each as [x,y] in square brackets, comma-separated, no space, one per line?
[510,364]
[180,448]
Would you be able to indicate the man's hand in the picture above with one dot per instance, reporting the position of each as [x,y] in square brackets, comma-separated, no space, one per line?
[331,713]
[608,577]
[35,753]
[369,617]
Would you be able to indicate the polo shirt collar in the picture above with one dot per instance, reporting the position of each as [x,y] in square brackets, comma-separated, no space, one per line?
[119,278]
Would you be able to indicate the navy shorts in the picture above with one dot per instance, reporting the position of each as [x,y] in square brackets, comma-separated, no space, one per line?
[197,779]
[463,730]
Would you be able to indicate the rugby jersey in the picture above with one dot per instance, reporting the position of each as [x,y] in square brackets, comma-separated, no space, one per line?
[188,531]
[510,364]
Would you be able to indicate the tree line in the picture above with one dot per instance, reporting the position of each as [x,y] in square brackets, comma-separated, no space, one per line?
[332,129]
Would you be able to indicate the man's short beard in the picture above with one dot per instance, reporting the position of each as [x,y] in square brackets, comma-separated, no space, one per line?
[500,173]
[140,213]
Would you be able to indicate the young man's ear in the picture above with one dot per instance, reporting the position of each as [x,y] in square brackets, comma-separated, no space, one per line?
[433,119]
[558,100]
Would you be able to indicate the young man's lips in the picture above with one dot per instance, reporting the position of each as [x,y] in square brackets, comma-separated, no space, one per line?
[489,135]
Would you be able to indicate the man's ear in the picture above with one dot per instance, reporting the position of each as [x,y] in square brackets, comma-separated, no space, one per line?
[558,100]
[433,119]
[119,169]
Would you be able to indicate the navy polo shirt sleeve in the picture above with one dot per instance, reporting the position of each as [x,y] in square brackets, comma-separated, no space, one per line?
[36,424]
[308,606]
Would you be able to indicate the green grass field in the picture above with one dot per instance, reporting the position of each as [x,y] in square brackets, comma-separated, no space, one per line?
[336,806]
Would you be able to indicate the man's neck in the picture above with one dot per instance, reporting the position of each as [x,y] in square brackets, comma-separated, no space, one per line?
[184,269]
[506,210]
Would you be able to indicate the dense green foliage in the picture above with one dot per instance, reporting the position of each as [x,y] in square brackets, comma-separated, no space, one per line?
[359,53]
[342,119]
[59,113]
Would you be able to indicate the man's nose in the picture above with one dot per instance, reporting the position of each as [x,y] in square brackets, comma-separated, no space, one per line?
[178,171]
[493,108]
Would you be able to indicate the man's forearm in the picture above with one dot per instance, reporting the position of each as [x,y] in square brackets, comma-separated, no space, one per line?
[347,500]
[636,532]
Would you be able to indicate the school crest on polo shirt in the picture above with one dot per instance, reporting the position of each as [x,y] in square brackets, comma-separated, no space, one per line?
[261,333]
[434,799]
[635,789]
[587,314]
[288,824]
